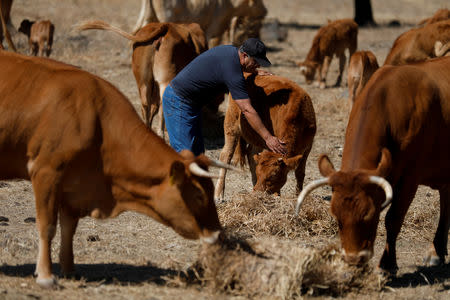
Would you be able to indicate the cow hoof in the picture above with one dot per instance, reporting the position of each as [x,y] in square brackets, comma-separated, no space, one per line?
[322,85]
[433,260]
[388,273]
[316,84]
[47,283]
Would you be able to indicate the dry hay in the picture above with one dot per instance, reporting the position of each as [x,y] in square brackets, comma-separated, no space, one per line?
[261,214]
[278,269]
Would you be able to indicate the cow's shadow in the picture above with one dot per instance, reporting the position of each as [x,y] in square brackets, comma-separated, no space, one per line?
[422,276]
[104,273]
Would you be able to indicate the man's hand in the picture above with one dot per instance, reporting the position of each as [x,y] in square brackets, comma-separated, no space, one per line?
[276,145]
[263,72]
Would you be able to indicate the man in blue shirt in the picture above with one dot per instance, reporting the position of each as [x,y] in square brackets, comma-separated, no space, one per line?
[218,70]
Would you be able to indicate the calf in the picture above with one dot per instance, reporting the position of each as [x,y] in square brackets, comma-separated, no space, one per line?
[418,44]
[287,112]
[160,51]
[397,138]
[362,65]
[87,153]
[40,36]
[331,39]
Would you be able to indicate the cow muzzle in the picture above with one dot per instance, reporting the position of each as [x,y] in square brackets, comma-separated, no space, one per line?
[358,259]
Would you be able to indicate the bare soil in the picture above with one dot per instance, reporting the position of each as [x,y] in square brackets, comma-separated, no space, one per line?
[133,256]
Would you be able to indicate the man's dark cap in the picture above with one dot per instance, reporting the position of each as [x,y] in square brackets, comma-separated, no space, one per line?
[257,50]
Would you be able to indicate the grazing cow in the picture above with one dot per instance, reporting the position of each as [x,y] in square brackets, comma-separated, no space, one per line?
[160,51]
[87,153]
[213,16]
[397,138]
[40,36]
[362,65]
[287,112]
[440,15]
[441,49]
[5,17]
[417,44]
[331,39]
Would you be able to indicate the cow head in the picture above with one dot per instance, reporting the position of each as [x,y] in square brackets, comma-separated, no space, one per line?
[25,27]
[186,199]
[272,169]
[358,198]
[308,69]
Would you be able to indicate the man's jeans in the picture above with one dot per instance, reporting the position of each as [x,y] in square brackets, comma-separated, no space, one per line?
[183,122]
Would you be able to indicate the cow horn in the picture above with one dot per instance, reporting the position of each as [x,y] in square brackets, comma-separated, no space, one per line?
[440,49]
[308,189]
[219,164]
[386,186]
[196,170]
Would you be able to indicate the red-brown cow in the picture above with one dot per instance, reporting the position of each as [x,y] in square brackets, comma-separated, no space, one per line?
[287,112]
[331,39]
[160,51]
[87,153]
[398,133]
[40,36]
[362,65]
[417,44]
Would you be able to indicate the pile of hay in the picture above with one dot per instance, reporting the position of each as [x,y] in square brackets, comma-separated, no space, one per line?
[280,269]
[258,214]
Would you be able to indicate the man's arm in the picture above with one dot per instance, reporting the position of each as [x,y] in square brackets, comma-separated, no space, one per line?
[272,142]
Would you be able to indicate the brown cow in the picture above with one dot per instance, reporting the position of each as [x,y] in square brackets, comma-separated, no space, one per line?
[331,39]
[440,15]
[287,112]
[87,153]
[160,51]
[362,65]
[214,17]
[398,133]
[417,44]
[40,36]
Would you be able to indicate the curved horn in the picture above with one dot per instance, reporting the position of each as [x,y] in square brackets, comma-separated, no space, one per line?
[386,186]
[219,164]
[196,170]
[308,189]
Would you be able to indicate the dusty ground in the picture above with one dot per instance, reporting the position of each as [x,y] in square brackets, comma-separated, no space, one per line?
[134,257]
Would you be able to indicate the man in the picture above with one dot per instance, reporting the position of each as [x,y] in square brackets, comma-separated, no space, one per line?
[215,71]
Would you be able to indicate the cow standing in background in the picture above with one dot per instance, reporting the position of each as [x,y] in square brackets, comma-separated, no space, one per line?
[160,51]
[287,112]
[331,40]
[418,44]
[214,16]
[362,65]
[40,36]
[398,137]
[86,152]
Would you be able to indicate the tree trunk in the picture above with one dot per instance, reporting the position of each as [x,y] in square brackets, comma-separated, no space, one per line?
[363,13]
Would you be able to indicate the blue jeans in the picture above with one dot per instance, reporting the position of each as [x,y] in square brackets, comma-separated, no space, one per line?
[183,122]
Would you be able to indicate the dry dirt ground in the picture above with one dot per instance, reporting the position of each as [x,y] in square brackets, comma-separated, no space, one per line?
[132,256]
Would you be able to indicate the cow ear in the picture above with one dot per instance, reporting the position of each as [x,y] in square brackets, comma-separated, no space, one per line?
[177,172]
[256,157]
[292,162]
[326,168]
[384,166]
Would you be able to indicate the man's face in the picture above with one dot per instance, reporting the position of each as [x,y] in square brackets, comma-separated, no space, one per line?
[250,65]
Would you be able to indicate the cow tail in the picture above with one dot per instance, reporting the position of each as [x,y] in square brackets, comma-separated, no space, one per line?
[240,152]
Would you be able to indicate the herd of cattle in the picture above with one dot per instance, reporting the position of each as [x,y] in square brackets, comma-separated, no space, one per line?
[87,152]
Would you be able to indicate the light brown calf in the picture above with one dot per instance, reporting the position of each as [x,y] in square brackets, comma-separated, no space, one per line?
[40,36]
[160,51]
[362,65]
[331,40]
[287,112]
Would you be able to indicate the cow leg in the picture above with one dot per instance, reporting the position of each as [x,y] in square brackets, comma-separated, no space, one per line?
[45,188]
[252,163]
[144,104]
[341,69]
[68,225]
[225,156]
[300,170]
[41,47]
[161,125]
[155,101]
[324,71]
[401,201]
[438,251]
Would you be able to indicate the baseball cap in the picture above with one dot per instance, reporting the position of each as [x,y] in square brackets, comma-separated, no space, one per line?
[256,50]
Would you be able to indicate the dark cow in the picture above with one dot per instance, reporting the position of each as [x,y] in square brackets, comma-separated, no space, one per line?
[398,133]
